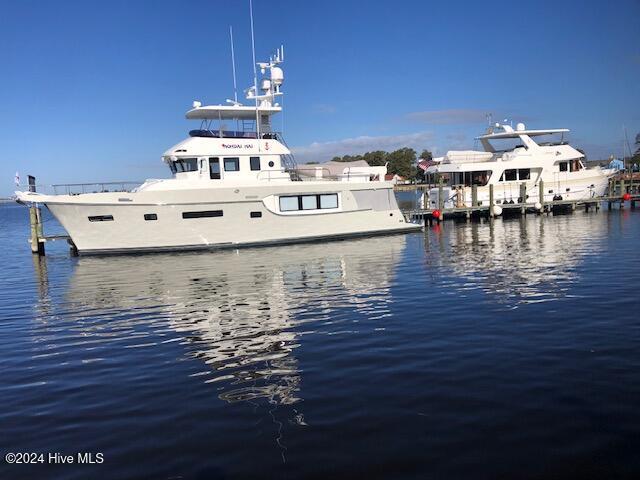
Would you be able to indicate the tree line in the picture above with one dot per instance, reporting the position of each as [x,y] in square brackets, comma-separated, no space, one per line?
[401,162]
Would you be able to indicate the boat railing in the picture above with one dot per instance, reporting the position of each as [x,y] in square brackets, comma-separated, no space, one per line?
[79,188]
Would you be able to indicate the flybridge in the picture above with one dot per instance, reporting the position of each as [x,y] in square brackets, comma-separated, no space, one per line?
[252,121]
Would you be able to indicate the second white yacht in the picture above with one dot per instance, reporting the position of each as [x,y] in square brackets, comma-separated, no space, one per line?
[556,164]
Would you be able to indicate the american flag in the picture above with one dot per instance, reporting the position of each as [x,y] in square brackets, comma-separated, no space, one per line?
[423,164]
[17,179]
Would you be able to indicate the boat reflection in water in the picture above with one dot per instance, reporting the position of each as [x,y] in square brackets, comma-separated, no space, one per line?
[239,312]
[515,260]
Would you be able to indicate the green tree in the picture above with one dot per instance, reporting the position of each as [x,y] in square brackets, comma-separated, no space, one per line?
[403,163]
[376,159]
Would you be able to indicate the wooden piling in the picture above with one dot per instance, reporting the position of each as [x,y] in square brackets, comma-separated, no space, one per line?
[35,221]
[474,195]
[491,200]
[541,195]
[440,195]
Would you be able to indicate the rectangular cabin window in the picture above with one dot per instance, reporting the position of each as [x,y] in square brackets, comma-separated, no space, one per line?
[563,166]
[186,165]
[214,168]
[255,163]
[202,214]
[289,204]
[255,214]
[150,216]
[309,202]
[101,218]
[524,174]
[329,200]
[510,175]
[232,164]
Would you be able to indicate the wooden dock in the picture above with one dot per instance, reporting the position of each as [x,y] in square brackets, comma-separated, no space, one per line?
[619,193]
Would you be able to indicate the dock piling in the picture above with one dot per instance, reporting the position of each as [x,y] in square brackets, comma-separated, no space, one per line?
[491,199]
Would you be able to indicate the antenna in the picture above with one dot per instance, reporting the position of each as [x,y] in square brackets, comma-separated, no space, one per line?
[233,67]
[255,73]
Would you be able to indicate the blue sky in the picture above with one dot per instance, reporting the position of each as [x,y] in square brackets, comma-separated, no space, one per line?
[95,91]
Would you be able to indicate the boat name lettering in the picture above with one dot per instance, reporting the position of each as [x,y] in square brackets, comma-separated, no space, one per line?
[236,145]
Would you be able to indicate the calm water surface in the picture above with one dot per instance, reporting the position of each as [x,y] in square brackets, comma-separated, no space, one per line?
[504,350]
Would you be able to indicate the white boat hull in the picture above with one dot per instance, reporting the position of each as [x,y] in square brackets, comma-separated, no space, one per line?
[234,226]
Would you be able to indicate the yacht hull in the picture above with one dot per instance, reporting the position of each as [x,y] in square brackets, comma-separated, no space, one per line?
[106,223]
[578,189]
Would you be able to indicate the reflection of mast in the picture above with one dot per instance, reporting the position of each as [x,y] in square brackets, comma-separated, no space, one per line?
[237,312]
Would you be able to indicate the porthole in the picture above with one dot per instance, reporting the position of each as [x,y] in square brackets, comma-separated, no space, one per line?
[271,164]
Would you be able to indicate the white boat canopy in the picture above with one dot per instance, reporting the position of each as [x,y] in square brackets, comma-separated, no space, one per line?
[230,112]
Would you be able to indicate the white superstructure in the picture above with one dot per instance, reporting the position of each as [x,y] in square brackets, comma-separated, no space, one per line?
[235,183]
[557,164]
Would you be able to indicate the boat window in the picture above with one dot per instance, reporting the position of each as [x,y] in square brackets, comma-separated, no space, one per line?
[101,218]
[524,174]
[232,164]
[214,168]
[255,214]
[309,202]
[255,163]
[480,178]
[563,166]
[289,204]
[329,200]
[150,216]
[575,165]
[202,214]
[509,175]
[186,165]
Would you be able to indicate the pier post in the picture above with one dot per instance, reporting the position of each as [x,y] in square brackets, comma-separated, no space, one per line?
[35,221]
[491,200]
[622,192]
[541,195]
[474,195]
[440,195]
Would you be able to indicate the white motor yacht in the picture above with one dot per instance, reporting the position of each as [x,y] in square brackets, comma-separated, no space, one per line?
[235,183]
[557,164]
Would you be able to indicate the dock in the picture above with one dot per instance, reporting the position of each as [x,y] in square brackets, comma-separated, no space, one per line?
[618,193]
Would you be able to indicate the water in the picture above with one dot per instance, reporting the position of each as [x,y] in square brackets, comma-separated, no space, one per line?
[470,351]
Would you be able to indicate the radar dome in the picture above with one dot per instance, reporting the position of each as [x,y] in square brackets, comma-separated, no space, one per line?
[277,76]
[520,127]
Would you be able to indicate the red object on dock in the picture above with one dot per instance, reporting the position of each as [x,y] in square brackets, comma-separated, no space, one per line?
[436,214]
[626,196]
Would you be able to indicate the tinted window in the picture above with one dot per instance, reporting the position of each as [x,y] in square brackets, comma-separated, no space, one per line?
[563,166]
[203,214]
[150,216]
[524,173]
[510,175]
[101,218]
[232,164]
[214,168]
[329,201]
[256,214]
[255,163]
[186,165]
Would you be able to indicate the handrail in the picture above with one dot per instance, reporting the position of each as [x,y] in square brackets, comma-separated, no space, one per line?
[72,188]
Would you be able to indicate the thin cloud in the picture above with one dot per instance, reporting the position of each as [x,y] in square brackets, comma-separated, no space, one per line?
[461,116]
[323,108]
[448,117]
[323,151]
